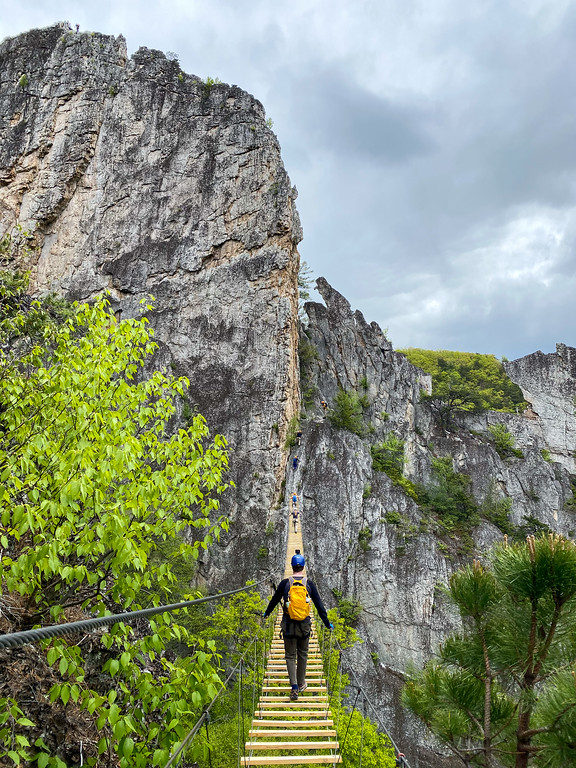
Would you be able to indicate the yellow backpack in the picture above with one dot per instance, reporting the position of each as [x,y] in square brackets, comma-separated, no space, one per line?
[297,601]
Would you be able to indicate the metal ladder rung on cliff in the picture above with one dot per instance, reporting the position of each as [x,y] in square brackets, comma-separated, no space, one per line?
[292,732]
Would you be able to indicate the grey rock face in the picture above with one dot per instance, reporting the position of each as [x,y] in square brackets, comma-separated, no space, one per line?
[548,385]
[139,179]
[393,568]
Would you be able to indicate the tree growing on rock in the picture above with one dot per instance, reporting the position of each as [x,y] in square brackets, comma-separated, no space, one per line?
[503,690]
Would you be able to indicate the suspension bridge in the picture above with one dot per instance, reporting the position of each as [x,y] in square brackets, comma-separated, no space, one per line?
[283,732]
[285,729]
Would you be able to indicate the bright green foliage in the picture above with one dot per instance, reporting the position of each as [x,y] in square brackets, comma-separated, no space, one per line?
[361,744]
[449,497]
[502,689]
[504,442]
[292,429]
[90,481]
[464,381]
[216,746]
[349,609]
[347,412]
[497,510]
[364,539]
[357,735]
[388,456]
[234,623]
[88,471]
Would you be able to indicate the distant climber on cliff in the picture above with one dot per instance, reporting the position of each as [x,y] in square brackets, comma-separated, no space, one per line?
[324,404]
[295,463]
[296,591]
[294,500]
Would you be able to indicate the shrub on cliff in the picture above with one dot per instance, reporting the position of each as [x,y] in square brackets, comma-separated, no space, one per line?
[347,411]
[504,442]
[501,691]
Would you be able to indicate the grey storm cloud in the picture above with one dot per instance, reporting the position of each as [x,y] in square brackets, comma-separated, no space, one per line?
[342,117]
[433,146]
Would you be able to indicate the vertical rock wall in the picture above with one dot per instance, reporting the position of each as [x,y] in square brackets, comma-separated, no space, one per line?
[139,179]
[367,539]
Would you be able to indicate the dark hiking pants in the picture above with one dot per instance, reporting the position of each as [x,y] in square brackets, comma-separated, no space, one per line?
[296,652]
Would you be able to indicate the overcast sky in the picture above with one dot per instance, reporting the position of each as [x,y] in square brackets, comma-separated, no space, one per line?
[432,142]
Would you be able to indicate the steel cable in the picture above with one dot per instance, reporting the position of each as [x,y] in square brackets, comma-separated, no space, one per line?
[401,756]
[34,635]
[190,735]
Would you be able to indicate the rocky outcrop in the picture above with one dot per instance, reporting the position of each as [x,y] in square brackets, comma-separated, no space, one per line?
[141,180]
[136,178]
[367,539]
[548,385]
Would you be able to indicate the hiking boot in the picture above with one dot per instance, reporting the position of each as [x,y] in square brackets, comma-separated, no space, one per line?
[303,687]
[294,694]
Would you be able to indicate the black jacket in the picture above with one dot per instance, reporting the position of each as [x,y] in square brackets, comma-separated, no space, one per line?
[312,591]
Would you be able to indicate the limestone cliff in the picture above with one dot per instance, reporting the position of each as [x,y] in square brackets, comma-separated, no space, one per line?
[139,179]
[367,538]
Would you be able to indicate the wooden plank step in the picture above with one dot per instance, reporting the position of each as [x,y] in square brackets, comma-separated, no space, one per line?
[290,732]
[292,704]
[281,664]
[277,745]
[314,678]
[309,688]
[272,701]
[295,712]
[312,647]
[289,759]
[291,723]
[302,697]
[311,672]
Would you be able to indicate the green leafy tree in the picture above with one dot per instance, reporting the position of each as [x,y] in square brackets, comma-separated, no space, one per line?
[501,691]
[464,381]
[91,478]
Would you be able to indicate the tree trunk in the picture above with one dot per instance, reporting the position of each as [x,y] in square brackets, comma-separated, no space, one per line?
[523,743]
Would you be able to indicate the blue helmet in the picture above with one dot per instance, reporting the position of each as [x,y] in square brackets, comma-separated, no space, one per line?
[298,560]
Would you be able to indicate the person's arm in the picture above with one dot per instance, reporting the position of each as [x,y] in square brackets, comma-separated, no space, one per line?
[314,594]
[276,597]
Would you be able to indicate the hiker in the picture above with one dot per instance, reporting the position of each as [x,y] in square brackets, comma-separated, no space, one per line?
[295,514]
[296,591]
[298,436]
[324,404]
[294,500]
[295,463]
